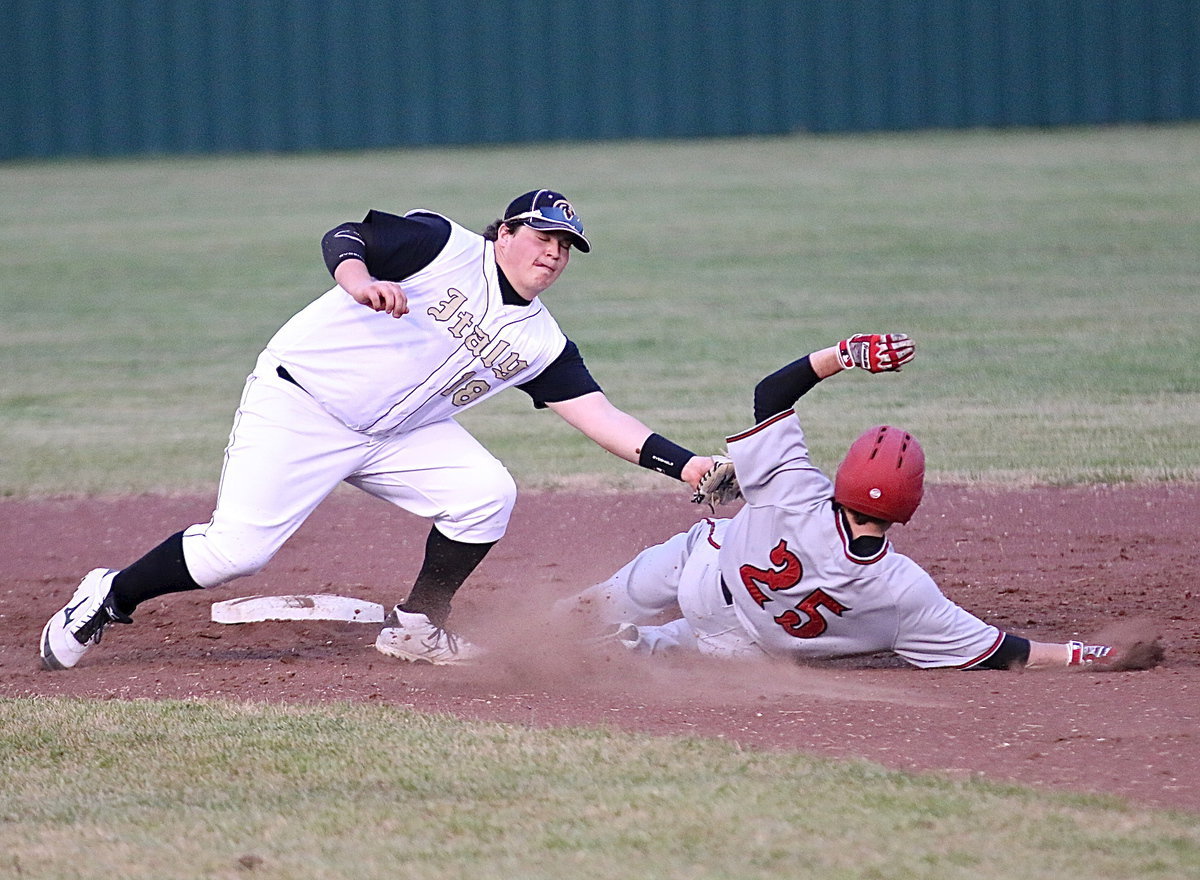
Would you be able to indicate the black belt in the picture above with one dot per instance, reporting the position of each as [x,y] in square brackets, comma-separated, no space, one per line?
[725,592]
[283,374]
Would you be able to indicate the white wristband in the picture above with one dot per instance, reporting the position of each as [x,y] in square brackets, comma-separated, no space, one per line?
[1074,653]
[843,353]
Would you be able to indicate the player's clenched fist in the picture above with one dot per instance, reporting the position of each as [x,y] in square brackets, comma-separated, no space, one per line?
[876,352]
[382,296]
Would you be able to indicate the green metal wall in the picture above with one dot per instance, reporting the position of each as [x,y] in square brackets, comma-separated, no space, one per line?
[115,77]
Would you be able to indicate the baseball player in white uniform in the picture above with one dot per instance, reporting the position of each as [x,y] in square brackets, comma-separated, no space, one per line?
[363,385]
[805,570]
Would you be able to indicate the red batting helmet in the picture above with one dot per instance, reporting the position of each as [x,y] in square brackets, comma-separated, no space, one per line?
[882,475]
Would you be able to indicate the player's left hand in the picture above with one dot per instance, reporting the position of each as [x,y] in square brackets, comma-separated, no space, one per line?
[876,352]
[719,485]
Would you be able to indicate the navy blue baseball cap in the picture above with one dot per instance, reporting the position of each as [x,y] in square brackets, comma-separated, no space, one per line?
[547,209]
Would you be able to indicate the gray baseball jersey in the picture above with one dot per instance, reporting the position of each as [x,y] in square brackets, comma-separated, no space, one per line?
[800,590]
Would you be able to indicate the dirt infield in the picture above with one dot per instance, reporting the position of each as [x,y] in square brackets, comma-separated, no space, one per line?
[1049,563]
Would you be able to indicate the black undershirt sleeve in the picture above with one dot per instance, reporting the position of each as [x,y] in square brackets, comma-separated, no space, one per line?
[566,378]
[780,390]
[1012,653]
[394,248]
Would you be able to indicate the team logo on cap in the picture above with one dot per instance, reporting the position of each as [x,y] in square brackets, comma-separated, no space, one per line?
[565,206]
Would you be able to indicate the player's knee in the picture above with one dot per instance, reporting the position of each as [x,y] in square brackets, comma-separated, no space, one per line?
[608,602]
[484,515]
[212,560]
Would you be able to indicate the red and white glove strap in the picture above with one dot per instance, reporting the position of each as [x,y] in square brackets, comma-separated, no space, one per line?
[844,355]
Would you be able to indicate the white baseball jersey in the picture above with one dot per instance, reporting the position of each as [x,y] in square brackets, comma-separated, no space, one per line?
[458,345]
[799,590]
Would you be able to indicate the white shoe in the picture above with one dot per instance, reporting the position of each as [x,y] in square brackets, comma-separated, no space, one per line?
[413,637]
[67,635]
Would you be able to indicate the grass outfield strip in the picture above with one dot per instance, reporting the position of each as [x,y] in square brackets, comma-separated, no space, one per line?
[171,789]
[1050,278]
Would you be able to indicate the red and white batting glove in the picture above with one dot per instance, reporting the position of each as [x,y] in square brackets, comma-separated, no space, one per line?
[1085,655]
[876,352]
[1137,655]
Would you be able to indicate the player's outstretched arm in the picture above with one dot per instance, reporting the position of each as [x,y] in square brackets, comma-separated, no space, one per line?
[625,436]
[873,352]
[1142,654]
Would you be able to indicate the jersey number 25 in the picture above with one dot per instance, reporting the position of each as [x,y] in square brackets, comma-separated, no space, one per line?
[805,620]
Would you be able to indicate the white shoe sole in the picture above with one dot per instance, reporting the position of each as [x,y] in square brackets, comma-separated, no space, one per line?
[49,660]
[391,649]
[72,652]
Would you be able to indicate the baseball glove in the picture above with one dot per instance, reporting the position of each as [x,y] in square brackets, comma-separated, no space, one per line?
[719,485]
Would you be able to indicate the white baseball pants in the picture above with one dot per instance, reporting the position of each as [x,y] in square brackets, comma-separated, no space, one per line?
[286,454]
[678,576]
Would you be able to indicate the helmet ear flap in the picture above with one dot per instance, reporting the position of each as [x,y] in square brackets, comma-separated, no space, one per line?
[882,474]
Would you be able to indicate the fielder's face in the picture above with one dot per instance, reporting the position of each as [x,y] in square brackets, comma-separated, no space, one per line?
[532,259]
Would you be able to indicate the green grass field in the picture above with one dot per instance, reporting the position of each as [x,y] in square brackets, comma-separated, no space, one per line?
[1052,280]
[182,790]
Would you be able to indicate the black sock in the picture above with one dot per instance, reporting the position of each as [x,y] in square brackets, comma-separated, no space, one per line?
[447,564]
[159,572]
